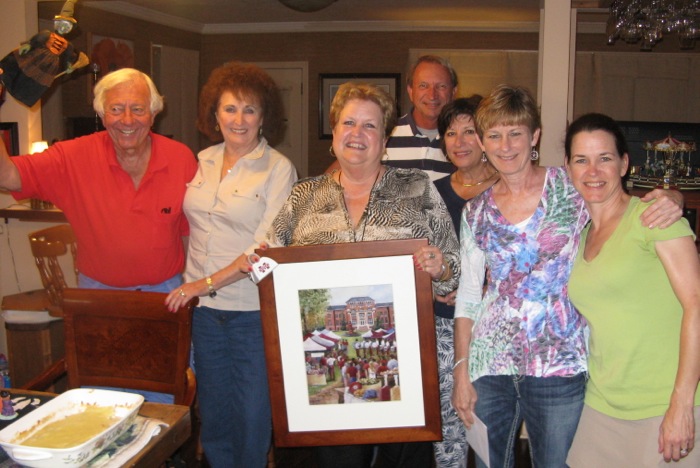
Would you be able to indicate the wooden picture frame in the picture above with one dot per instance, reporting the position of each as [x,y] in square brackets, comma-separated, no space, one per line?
[328,86]
[299,418]
[9,132]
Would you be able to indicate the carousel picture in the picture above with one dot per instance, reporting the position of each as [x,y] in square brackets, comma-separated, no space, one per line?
[663,155]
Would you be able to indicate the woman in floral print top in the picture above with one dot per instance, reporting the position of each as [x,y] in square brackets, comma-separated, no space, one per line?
[520,345]
[525,324]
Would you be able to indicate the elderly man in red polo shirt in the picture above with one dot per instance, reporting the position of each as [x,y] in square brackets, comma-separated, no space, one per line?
[120,189]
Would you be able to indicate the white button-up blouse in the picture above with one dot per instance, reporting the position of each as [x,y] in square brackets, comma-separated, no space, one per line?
[230,216]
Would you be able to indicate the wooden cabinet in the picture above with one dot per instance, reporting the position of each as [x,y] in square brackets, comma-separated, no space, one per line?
[32,347]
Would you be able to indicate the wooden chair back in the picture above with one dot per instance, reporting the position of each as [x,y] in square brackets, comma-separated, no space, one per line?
[47,246]
[128,339]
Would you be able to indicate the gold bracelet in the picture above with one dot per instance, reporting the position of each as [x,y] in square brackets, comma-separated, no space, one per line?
[446,271]
[210,286]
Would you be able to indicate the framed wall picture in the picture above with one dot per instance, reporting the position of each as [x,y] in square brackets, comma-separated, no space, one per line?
[9,132]
[107,54]
[338,303]
[330,82]
[111,53]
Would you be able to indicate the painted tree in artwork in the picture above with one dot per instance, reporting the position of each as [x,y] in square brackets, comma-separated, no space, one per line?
[312,305]
[378,323]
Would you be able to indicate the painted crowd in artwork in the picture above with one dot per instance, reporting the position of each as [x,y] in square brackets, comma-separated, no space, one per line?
[350,345]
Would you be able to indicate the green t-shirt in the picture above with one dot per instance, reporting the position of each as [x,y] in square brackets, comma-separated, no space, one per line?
[634,318]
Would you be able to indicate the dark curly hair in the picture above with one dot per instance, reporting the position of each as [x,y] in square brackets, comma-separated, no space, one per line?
[243,80]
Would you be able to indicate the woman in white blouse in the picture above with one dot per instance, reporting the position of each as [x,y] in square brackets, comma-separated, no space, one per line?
[240,186]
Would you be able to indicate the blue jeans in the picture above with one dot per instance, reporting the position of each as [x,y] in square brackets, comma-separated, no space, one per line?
[234,402]
[550,406]
[165,287]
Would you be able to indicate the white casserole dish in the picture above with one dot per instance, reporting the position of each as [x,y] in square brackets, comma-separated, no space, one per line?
[126,407]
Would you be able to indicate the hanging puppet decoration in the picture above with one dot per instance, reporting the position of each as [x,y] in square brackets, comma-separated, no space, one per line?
[28,71]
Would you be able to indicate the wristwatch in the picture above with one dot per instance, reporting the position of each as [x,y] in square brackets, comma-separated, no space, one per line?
[210,285]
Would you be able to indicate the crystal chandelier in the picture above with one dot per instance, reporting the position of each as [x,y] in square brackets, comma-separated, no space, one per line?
[649,21]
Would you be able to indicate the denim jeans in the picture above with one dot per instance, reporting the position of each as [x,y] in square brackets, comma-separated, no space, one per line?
[550,406]
[164,287]
[234,400]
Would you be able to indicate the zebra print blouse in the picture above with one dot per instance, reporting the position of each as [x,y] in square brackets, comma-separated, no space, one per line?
[404,204]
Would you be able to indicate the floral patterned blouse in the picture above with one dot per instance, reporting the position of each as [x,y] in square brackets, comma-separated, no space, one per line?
[525,323]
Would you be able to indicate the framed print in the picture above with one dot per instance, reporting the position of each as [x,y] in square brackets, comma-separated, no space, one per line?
[111,53]
[107,54]
[329,84]
[350,344]
[9,132]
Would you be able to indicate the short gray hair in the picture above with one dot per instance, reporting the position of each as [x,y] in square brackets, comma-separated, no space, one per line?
[436,59]
[121,76]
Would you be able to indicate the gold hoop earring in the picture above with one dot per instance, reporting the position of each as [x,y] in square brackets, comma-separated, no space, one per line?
[332,153]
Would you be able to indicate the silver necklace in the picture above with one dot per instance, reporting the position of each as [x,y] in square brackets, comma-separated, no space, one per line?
[365,213]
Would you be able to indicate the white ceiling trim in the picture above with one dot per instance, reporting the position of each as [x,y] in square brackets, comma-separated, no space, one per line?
[132,11]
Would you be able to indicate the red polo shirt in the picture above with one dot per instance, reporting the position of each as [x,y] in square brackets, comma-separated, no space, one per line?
[127,236]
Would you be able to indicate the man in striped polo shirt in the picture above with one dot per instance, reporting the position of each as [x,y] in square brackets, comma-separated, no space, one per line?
[414,142]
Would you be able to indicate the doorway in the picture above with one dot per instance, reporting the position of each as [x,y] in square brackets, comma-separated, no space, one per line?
[292,79]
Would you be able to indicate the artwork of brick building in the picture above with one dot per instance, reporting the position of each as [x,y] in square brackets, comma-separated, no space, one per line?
[362,312]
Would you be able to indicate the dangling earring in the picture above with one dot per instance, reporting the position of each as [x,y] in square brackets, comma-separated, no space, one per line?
[217,128]
[330,150]
[483,156]
[260,131]
[534,155]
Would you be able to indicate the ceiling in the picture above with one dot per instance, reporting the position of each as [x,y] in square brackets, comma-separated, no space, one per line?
[223,16]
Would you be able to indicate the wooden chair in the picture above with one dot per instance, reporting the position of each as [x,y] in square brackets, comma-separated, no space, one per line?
[47,245]
[125,339]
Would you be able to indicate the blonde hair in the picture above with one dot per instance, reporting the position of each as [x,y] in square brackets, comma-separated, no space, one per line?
[364,92]
[507,105]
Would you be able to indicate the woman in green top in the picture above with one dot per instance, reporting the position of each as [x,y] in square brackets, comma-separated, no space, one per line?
[639,289]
